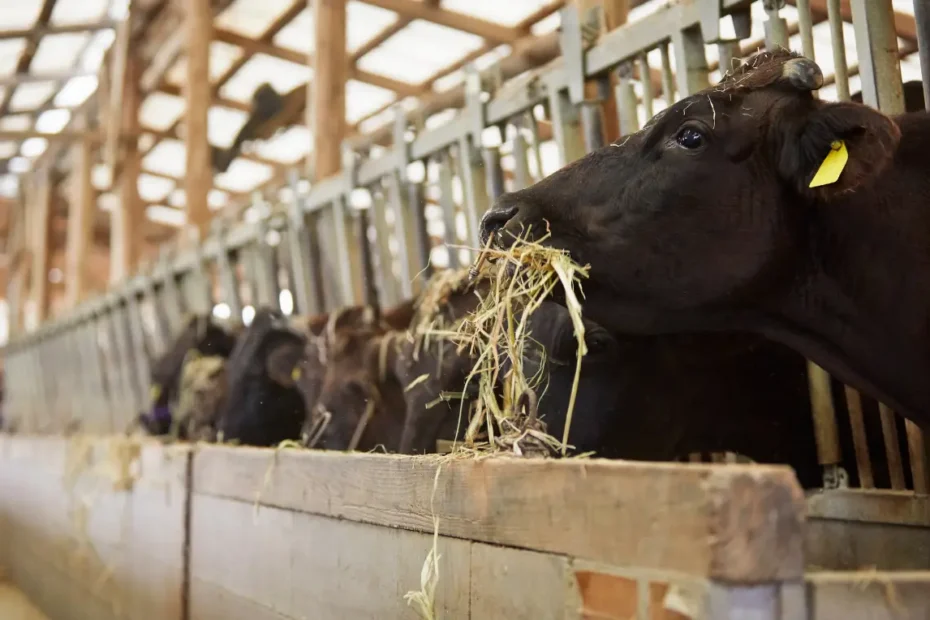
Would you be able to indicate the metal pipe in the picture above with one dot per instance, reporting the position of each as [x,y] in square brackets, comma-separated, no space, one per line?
[922,24]
[838,38]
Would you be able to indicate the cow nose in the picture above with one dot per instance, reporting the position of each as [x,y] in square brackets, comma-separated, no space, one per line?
[495,219]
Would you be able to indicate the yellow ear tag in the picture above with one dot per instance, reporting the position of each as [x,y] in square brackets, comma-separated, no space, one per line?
[295,374]
[832,166]
[155,392]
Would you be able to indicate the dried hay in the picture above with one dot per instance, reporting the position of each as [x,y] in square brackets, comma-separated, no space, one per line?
[521,278]
[423,600]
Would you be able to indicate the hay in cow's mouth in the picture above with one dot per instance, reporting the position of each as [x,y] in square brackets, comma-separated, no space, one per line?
[522,276]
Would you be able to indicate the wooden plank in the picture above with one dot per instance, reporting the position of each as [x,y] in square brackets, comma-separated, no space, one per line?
[871,506]
[312,566]
[328,91]
[199,180]
[733,522]
[81,211]
[94,535]
[869,595]
[836,544]
[119,83]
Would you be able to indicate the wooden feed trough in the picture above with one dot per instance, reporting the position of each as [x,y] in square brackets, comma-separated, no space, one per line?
[108,528]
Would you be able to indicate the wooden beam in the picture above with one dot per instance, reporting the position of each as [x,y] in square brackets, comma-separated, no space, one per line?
[80,222]
[66,135]
[25,58]
[253,46]
[414,9]
[198,28]
[51,29]
[118,87]
[26,78]
[126,220]
[41,198]
[328,93]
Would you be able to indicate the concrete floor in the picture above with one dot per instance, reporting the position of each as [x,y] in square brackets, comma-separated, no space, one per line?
[15,606]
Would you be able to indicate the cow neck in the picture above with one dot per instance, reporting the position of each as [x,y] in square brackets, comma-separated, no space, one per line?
[863,309]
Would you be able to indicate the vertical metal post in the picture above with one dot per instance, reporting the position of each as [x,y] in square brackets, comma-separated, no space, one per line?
[405,230]
[690,61]
[860,440]
[474,188]
[305,274]
[494,172]
[645,78]
[668,78]
[806,28]
[140,358]
[162,328]
[371,291]
[417,201]
[348,269]
[447,203]
[838,39]
[825,429]
[384,270]
[521,168]
[229,284]
[892,447]
[261,265]
[922,23]
[565,119]
[171,296]
[626,100]
[776,28]
[728,52]
[592,125]
[877,47]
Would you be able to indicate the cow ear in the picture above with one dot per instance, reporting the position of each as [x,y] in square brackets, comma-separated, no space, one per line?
[281,363]
[840,148]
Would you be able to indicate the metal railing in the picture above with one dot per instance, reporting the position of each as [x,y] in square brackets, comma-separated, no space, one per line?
[366,233]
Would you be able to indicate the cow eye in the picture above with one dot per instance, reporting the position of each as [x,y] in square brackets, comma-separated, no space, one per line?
[690,138]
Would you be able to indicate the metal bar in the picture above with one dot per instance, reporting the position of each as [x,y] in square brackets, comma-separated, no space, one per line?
[416,203]
[171,297]
[877,47]
[825,429]
[626,101]
[521,168]
[404,232]
[593,126]
[668,78]
[565,119]
[371,287]
[690,61]
[305,276]
[892,447]
[390,287]
[229,285]
[728,53]
[776,28]
[494,172]
[838,38]
[345,266]
[806,28]
[475,199]
[918,451]
[448,208]
[922,24]
[140,357]
[645,78]
[860,442]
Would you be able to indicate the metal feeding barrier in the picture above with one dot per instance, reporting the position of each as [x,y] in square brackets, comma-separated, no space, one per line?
[364,236]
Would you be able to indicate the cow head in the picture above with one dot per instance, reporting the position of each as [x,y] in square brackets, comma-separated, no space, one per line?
[550,355]
[705,208]
[361,404]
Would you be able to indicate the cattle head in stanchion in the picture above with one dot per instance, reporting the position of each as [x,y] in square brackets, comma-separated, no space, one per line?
[263,406]
[755,206]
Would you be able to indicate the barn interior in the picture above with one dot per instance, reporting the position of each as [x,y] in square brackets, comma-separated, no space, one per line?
[167,158]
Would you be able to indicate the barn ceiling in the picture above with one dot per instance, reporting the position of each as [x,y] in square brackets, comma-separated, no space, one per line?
[402,50]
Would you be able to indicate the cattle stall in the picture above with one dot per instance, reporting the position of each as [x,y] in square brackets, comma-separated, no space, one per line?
[99,525]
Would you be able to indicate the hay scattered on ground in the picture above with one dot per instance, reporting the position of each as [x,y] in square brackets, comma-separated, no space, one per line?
[521,278]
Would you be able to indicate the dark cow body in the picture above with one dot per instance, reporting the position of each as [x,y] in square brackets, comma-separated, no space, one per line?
[202,335]
[263,407]
[913,96]
[704,221]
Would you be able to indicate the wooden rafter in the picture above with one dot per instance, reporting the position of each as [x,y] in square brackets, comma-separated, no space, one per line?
[25,59]
[50,29]
[415,9]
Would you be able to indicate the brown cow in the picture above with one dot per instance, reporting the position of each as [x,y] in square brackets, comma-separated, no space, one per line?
[705,221]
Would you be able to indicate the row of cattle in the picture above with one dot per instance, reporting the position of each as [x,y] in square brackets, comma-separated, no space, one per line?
[364,379]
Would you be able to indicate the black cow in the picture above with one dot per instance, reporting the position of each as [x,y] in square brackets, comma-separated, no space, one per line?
[913,96]
[262,406]
[705,221]
[201,334]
